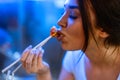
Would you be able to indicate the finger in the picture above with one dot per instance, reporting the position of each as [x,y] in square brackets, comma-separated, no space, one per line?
[40,60]
[25,53]
[35,60]
[41,66]
[41,51]
[29,60]
[25,61]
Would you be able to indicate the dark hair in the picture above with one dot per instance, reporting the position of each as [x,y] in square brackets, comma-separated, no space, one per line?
[85,23]
[107,14]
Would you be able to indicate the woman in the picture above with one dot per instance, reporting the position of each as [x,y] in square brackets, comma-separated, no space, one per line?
[92,26]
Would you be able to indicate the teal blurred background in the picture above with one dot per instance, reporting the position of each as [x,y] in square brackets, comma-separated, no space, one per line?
[28,22]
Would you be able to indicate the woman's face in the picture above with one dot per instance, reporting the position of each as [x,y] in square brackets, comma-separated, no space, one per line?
[72,33]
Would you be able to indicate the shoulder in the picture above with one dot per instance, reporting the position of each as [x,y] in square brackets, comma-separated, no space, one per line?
[118,77]
[73,55]
[71,58]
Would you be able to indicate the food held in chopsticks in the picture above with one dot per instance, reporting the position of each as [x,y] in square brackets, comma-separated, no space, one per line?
[57,33]
[54,32]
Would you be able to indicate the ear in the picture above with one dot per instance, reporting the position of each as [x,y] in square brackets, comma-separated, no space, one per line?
[102,33]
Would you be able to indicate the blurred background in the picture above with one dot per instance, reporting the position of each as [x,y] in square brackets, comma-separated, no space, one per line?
[28,22]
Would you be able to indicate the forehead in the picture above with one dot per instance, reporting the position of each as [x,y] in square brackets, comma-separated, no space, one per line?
[71,2]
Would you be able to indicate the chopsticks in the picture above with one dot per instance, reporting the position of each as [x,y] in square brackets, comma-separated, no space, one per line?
[37,46]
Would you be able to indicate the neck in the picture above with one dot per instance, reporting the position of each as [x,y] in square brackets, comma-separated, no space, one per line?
[104,56]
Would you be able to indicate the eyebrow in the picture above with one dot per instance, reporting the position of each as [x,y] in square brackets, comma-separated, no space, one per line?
[71,6]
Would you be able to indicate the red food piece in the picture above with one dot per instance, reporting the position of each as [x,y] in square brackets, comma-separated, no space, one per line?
[53,32]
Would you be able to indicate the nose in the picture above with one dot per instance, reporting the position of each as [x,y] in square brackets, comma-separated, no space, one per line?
[63,21]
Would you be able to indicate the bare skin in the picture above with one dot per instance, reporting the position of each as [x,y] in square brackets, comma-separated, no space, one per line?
[101,63]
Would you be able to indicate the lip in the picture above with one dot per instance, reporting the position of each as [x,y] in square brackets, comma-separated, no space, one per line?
[60,35]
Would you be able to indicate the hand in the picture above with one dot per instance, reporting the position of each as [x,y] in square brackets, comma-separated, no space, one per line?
[32,61]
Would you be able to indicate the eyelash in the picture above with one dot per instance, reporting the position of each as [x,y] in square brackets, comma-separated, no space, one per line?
[73,17]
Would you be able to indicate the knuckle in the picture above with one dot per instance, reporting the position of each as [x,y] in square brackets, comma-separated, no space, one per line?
[27,62]
[22,60]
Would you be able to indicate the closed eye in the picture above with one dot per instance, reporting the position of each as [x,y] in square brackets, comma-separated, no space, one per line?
[72,17]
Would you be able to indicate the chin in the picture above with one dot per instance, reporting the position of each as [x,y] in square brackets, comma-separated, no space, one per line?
[70,48]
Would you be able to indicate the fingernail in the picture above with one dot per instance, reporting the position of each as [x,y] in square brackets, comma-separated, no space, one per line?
[40,48]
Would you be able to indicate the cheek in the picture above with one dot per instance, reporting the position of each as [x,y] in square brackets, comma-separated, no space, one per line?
[78,39]
[76,35]
[76,29]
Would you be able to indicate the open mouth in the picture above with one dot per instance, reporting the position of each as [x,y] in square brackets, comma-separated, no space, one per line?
[56,33]
[59,35]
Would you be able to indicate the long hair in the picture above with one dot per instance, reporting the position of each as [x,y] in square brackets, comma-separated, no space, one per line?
[107,13]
